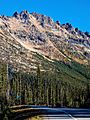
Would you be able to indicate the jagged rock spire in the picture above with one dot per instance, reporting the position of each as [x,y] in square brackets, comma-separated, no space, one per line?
[23,15]
[15,14]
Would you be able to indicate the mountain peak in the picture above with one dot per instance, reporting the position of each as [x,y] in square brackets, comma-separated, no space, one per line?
[44,20]
[36,33]
[15,14]
[23,15]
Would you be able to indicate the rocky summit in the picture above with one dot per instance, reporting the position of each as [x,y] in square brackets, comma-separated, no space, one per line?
[28,39]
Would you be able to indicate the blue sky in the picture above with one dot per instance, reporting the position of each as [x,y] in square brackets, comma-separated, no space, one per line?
[76,12]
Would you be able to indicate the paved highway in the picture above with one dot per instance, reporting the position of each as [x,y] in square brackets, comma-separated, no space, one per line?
[65,114]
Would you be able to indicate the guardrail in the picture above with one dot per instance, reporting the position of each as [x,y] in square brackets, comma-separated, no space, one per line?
[22,112]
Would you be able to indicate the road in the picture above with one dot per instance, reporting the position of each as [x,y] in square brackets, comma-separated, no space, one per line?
[65,114]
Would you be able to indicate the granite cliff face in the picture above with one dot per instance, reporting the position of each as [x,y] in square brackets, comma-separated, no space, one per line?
[25,37]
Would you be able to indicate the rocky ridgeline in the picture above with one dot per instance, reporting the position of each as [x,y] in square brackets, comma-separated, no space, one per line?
[75,31]
[48,21]
[23,35]
[44,20]
[22,15]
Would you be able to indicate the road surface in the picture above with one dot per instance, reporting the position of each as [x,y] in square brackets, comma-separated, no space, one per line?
[64,114]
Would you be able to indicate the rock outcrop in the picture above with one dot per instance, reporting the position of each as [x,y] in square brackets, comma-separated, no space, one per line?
[25,35]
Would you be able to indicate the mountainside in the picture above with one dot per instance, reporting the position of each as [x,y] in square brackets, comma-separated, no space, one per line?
[26,38]
[43,62]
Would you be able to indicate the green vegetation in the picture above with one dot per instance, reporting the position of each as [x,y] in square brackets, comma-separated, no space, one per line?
[61,84]
[5,112]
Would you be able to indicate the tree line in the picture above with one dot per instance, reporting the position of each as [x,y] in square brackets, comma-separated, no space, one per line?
[41,88]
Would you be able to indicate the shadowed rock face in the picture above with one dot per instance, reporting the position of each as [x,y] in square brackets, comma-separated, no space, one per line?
[24,15]
[75,31]
[15,14]
[44,20]
[24,35]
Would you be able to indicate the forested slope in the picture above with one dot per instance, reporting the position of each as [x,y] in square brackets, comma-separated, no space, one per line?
[64,85]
